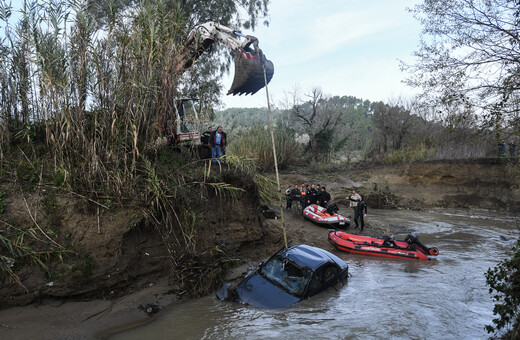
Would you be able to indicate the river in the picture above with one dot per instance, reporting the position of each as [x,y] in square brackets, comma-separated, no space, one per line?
[445,298]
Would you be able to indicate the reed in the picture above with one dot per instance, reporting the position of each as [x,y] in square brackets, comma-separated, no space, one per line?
[255,143]
[82,101]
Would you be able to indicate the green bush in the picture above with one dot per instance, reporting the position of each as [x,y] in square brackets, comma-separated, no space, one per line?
[408,155]
[504,284]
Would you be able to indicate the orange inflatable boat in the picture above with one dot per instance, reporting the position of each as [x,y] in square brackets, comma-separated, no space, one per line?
[410,248]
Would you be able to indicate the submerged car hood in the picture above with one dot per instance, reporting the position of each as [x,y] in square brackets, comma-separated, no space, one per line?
[260,292]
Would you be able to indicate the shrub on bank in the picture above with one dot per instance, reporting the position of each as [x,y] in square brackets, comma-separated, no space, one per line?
[408,155]
[256,143]
[504,284]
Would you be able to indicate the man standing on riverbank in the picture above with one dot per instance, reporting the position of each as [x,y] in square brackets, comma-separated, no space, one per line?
[354,198]
[217,141]
[360,212]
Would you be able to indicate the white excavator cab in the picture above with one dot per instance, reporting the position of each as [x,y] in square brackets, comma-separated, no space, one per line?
[187,125]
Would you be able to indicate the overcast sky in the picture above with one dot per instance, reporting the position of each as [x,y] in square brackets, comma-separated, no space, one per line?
[346,47]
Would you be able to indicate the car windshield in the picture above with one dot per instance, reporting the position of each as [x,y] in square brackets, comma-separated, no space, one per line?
[286,274]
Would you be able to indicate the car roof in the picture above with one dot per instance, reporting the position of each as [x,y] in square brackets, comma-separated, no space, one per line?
[312,257]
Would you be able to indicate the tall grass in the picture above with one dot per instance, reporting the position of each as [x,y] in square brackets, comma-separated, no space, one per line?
[256,143]
[81,100]
[97,95]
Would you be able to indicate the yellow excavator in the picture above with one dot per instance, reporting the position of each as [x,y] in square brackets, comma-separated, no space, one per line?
[250,65]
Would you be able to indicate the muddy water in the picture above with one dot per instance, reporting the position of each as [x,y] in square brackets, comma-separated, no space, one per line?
[446,298]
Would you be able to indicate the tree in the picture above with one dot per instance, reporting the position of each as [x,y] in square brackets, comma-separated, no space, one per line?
[318,117]
[203,79]
[392,124]
[470,57]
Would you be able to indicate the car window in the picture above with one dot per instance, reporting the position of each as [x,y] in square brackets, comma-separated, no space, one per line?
[321,278]
[287,275]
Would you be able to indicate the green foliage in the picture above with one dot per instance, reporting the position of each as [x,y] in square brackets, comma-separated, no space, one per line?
[256,143]
[85,265]
[267,189]
[504,284]
[26,172]
[324,140]
[31,132]
[234,120]
[60,176]
[3,203]
[408,155]
[16,250]
[52,213]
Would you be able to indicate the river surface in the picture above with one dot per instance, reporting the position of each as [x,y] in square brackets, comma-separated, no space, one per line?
[445,298]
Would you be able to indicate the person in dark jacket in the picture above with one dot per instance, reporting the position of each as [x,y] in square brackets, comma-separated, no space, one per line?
[303,200]
[359,215]
[224,148]
[323,197]
[204,139]
[217,141]
[288,199]
[312,195]
[292,195]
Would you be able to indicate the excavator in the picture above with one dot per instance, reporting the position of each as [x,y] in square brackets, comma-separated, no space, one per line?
[252,68]
[249,62]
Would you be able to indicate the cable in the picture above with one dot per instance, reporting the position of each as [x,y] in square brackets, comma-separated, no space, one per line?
[275,160]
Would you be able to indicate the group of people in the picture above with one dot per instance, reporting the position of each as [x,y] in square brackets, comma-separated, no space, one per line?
[315,194]
[217,141]
[307,195]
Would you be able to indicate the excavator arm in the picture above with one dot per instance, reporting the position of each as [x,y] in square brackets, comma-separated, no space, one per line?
[250,61]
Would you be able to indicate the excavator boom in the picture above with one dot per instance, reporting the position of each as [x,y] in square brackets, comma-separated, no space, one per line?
[250,62]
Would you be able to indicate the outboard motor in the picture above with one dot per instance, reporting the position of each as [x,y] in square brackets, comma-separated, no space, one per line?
[332,209]
[413,239]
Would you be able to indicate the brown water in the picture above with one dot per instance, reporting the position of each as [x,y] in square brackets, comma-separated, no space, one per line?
[446,298]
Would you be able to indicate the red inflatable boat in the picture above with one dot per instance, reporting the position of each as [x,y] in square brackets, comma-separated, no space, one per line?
[326,217]
[410,248]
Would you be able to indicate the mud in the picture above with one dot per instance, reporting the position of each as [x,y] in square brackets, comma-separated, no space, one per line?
[480,183]
[125,268]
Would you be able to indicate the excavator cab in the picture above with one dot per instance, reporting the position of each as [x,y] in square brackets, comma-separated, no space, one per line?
[187,126]
[252,69]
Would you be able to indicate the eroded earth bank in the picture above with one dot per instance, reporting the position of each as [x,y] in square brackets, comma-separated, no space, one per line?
[122,273]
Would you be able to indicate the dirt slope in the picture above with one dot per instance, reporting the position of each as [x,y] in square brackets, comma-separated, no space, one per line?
[482,183]
[124,275]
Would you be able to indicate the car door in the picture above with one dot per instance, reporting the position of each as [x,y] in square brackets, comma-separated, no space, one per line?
[324,277]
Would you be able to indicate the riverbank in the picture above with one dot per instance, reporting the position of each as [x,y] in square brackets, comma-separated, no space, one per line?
[130,281]
[59,319]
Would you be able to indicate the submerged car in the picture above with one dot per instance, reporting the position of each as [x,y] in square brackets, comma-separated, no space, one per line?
[288,277]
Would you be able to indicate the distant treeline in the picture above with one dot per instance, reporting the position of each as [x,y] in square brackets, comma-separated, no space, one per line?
[348,128]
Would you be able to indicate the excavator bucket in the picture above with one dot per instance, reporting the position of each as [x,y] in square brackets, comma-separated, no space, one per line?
[249,73]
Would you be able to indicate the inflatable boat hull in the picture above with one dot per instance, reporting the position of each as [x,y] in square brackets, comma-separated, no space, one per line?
[366,245]
[318,215]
